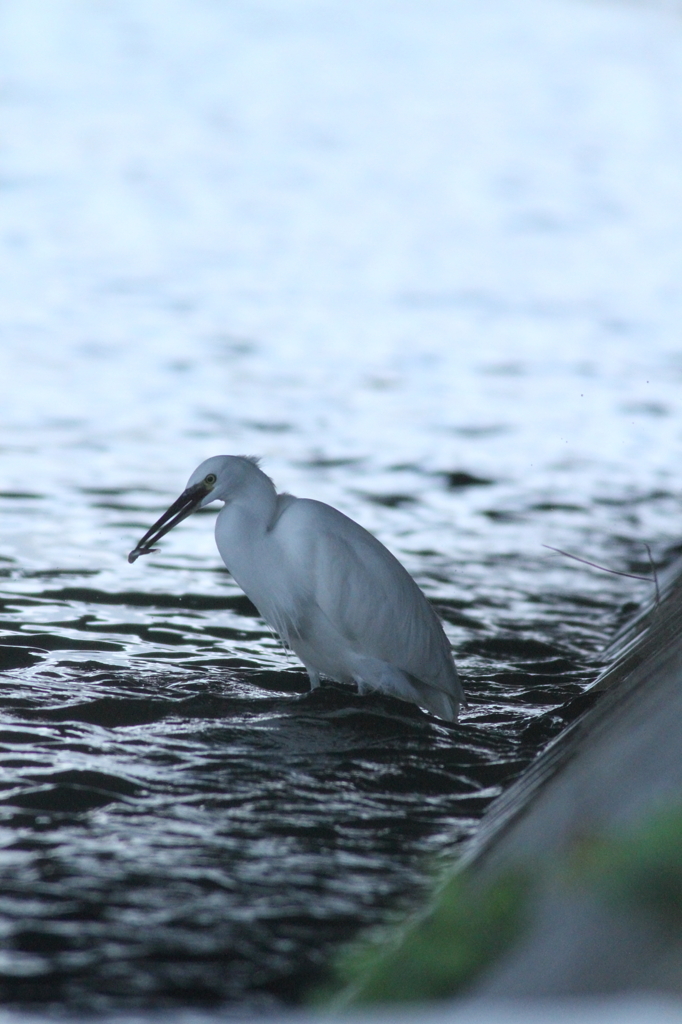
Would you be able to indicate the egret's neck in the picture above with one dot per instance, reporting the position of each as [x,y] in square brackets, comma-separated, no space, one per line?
[248,511]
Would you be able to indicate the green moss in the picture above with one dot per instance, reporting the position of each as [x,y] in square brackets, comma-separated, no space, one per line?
[641,868]
[441,951]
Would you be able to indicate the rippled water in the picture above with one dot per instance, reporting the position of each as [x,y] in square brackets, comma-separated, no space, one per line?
[425,260]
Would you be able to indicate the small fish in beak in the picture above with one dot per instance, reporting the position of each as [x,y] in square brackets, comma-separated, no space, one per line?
[188,501]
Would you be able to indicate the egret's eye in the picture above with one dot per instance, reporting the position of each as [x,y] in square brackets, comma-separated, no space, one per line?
[210,479]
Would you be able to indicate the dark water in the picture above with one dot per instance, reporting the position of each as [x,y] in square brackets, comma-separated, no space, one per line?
[211,832]
[406,257]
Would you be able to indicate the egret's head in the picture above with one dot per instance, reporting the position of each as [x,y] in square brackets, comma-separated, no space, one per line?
[215,479]
[219,477]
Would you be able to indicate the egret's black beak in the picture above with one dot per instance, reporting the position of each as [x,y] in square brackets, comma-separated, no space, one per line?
[188,501]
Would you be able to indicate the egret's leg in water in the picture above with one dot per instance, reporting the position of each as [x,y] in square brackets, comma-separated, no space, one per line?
[314,677]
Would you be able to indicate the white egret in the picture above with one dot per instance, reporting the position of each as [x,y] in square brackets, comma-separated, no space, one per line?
[333,592]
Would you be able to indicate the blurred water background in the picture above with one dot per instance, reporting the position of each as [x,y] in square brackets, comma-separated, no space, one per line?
[425,258]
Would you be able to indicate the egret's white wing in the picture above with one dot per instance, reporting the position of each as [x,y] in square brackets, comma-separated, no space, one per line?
[347,582]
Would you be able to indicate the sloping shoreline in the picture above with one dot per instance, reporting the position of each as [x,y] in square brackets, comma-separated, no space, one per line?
[569,826]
